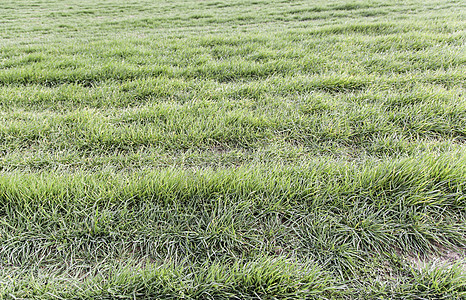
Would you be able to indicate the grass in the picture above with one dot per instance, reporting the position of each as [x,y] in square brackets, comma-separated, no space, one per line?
[232,149]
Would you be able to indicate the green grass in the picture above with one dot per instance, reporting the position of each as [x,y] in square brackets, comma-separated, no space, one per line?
[232,149]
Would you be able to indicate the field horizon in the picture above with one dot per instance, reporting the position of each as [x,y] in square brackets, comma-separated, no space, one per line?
[268,149]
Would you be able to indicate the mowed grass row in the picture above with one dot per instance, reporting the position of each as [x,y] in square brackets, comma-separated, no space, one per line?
[360,52]
[379,121]
[100,20]
[228,125]
[226,59]
[232,149]
[392,90]
[283,278]
[344,218]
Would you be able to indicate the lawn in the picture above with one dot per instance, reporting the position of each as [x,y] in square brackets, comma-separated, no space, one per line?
[233,149]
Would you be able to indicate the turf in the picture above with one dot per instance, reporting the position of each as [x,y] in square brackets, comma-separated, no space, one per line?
[232,149]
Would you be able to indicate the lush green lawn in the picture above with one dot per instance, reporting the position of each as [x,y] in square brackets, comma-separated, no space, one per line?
[232,149]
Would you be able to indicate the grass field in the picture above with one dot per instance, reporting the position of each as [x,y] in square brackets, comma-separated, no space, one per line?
[268,149]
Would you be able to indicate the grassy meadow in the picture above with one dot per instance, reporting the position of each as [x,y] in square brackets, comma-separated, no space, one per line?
[232,149]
